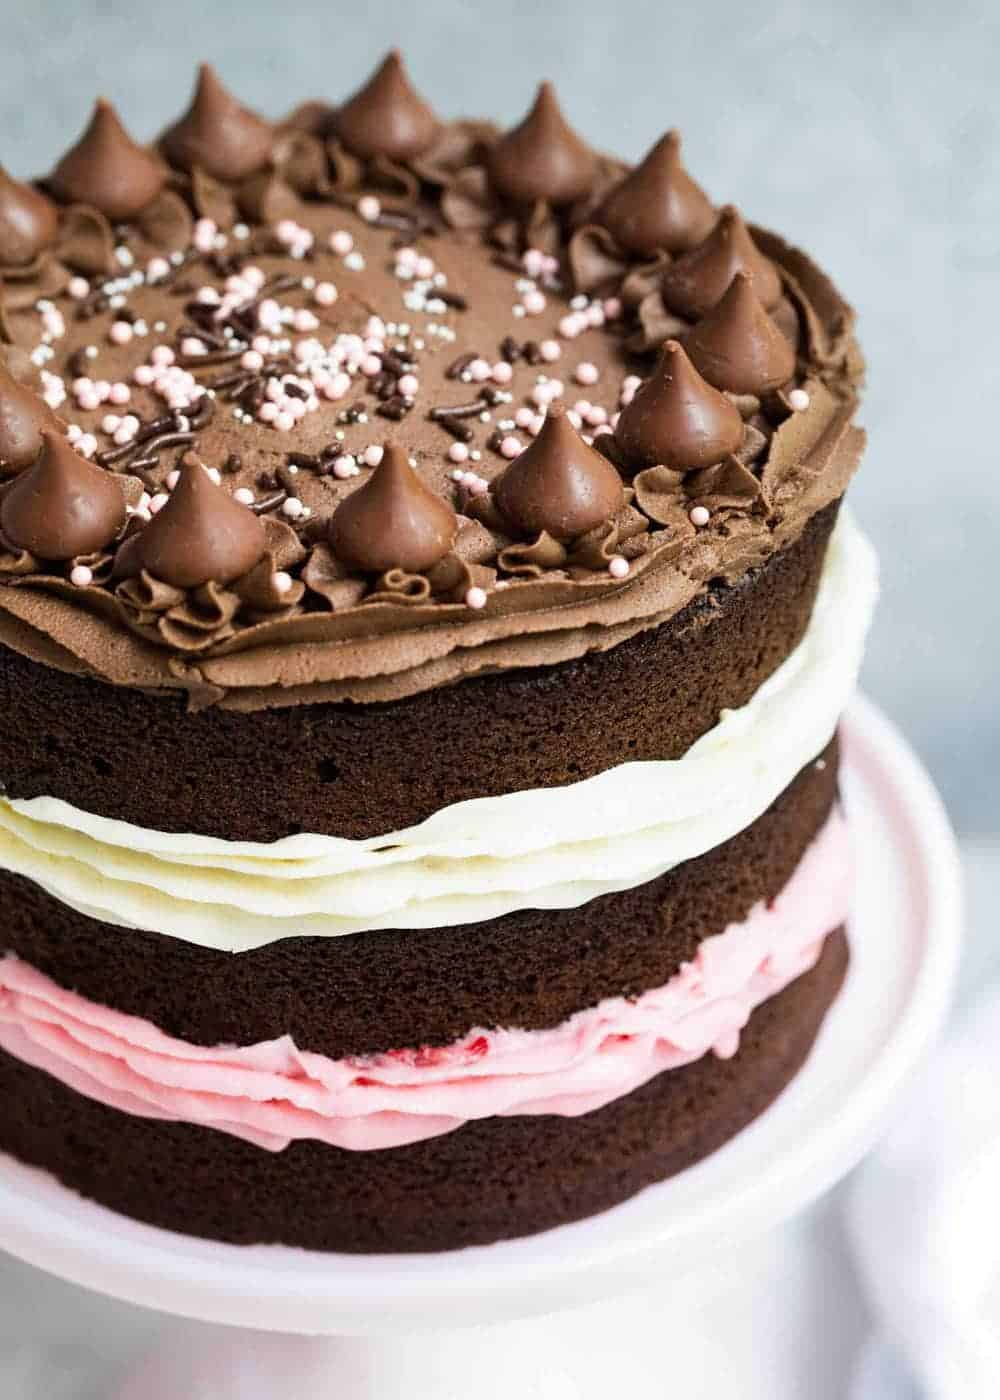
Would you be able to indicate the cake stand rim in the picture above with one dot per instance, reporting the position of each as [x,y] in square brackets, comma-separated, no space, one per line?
[280,1289]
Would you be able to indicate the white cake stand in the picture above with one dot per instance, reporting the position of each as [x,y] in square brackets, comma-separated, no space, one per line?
[398,1320]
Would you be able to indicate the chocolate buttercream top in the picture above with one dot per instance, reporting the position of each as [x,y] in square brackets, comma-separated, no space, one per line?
[428,451]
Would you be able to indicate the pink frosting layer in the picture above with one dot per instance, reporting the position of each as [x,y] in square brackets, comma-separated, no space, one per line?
[273,1093]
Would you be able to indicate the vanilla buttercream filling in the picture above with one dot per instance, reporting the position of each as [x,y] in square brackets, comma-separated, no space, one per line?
[475,860]
[273,1093]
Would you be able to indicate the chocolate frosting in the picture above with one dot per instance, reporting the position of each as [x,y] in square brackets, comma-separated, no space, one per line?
[386,117]
[300,624]
[695,283]
[23,417]
[217,134]
[542,158]
[107,169]
[28,221]
[657,206]
[559,486]
[678,420]
[200,536]
[393,521]
[737,346]
[62,506]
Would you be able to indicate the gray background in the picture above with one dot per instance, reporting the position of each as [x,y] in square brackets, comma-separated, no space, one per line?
[867,130]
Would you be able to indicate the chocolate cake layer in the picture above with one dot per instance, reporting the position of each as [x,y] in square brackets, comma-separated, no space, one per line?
[398,989]
[359,771]
[490,1180]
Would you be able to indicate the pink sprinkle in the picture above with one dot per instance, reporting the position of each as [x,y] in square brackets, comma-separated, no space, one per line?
[86,445]
[408,257]
[503,372]
[205,232]
[601,429]
[81,576]
[120,333]
[338,386]
[103,390]
[144,375]
[81,385]
[587,373]
[172,479]
[253,275]
[534,302]
[536,425]
[369,208]
[191,345]
[424,268]
[157,269]
[110,423]
[304,320]
[341,242]
[583,407]
[570,326]
[293,508]
[215,475]
[510,447]
[74,431]
[476,485]
[325,294]
[261,343]
[243,495]
[287,230]
[523,417]
[252,359]
[269,313]
[534,262]
[798,400]
[618,567]
[550,350]
[612,309]
[699,515]
[284,422]
[478,371]
[375,326]
[208,296]
[597,416]
[162,355]
[78,288]
[157,502]
[408,385]
[282,582]
[475,598]
[343,471]
[371,365]
[124,435]
[120,393]
[595,315]
[268,411]
[88,400]
[458,452]
[372,455]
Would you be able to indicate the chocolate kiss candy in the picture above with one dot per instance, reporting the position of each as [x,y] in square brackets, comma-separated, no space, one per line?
[107,169]
[558,484]
[386,117]
[543,158]
[216,133]
[677,420]
[200,536]
[62,505]
[657,206]
[23,417]
[28,221]
[394,521]
[738,347]
[698,281]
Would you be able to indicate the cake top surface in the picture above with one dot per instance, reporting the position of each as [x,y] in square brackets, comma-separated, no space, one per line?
[354,404]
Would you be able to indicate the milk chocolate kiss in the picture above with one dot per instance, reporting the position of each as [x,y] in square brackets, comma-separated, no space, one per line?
[698,281]
[217,134]
[738,347]
[200,536]
[394,521]
[24,416]
[62,505]
[28,221]
[657,206]
[678,420]
[107,169]
[386,117]
[558,484]
[543,158]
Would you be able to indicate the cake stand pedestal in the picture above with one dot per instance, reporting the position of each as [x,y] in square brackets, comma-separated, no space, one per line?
[443,1327]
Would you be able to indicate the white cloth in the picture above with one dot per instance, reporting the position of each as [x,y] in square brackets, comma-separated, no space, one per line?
[924,1220]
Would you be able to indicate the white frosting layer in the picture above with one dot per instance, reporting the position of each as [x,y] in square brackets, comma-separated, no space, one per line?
[543,849]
